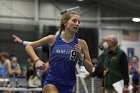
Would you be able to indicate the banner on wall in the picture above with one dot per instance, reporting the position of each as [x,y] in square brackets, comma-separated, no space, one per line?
[130,53]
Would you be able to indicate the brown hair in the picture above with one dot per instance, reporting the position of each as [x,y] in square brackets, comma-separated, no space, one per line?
[5,54]
[65,18]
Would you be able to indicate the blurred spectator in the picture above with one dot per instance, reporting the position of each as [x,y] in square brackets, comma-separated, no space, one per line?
[30,68]
[115,65]
[112,65]
[15,66]
[134,70]
[24,72]
[5,67]
[6,63]
[32,78]
[3,70]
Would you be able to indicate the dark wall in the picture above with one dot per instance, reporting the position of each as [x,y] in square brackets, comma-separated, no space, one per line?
[90,35]
[49,30]
[7,44]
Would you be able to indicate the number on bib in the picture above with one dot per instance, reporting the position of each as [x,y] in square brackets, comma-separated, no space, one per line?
[73,55]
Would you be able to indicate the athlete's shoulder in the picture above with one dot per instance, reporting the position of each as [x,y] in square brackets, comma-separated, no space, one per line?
[50,36]
[50,39]
[81,41]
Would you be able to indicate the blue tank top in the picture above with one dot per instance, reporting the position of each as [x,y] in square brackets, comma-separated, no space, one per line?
[133,71]
[63,62]
[13,67]
[3,71]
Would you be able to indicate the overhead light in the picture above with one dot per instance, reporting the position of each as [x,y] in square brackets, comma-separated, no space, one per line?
[136,19]
[80,0]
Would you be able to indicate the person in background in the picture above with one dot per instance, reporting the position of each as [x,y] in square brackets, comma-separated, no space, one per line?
[65,50]
[115,66]
[134,70]
[6,68]
[33,79]
[30,68]
[3,68]
[98,72]
[24,72]
[6,62]
[15,66]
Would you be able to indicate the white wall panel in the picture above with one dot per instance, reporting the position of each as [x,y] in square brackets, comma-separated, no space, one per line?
[52,14]
[5,7]
[131,44]
[47,10]
[136,45]
[16,8]
[22,8]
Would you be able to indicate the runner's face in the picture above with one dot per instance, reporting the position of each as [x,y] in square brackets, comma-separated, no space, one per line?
[73,23]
